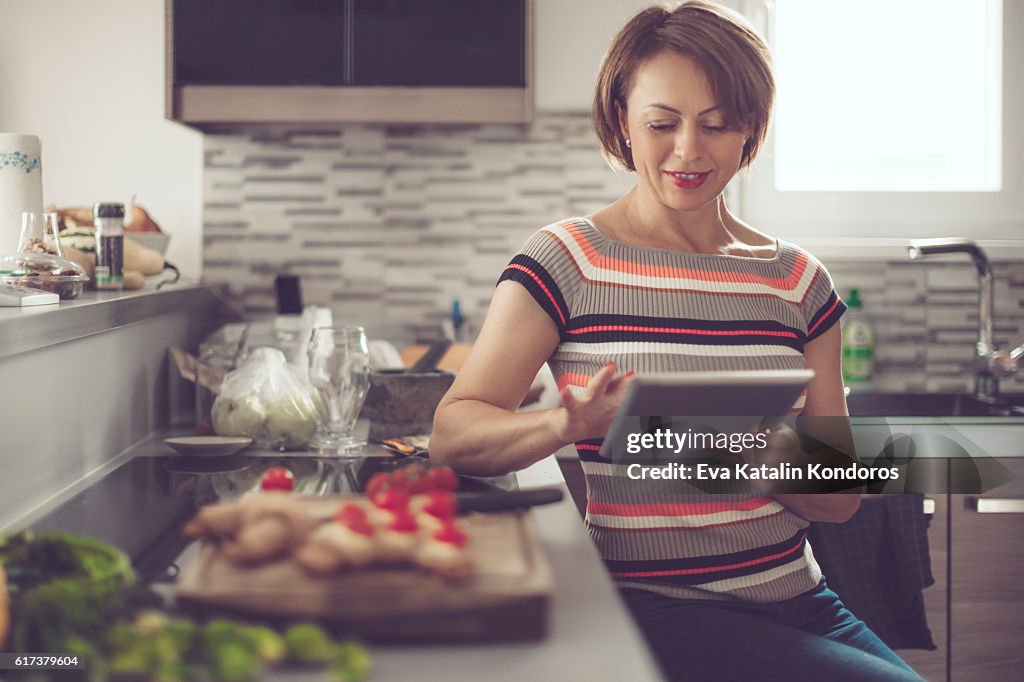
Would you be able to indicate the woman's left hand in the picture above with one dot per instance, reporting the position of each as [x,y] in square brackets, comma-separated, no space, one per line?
[589,413]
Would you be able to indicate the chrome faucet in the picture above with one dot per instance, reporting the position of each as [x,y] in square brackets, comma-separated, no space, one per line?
[990,364]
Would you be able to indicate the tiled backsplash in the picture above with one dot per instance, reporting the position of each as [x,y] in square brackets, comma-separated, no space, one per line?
[387,225]
[925,317]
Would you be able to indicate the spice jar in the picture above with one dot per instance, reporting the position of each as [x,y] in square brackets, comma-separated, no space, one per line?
[109,220]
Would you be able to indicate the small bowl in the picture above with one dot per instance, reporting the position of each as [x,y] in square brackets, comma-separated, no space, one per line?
[208,446]
[65,286]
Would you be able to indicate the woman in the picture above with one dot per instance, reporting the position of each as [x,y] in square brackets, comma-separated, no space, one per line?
[666,278]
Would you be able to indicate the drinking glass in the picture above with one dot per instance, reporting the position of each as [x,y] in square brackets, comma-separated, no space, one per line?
[40,233]
[339,368]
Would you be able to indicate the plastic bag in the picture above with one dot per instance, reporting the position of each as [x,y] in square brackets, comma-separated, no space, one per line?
[268,400]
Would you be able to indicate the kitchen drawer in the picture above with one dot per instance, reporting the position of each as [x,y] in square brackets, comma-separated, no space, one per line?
[987,590]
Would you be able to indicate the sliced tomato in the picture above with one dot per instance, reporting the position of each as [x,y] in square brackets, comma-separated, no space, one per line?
[277,478]
[419,480]
[377,483]
[361,526]
[451,534]
[392,499]
[400,479]
[444,478]
[403,522]
[350,512]
[441,503]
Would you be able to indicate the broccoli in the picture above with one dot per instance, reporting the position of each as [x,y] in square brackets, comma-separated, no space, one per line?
[233,662]
[307,643]
[351,662]
[269,645]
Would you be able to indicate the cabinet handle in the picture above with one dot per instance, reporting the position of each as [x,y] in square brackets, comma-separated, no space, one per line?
[928,506]
[996,505]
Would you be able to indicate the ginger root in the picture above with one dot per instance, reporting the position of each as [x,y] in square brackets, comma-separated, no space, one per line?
[216,521]
[259,527]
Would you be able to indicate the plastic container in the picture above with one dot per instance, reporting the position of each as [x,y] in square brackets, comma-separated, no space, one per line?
[44,272]
[858,343]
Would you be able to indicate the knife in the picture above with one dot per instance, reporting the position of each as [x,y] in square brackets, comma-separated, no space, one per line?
[506,500]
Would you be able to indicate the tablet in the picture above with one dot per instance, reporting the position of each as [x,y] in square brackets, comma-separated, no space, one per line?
[757,394]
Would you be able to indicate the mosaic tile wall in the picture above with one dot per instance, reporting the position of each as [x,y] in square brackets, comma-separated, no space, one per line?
[387,225]
[925,317]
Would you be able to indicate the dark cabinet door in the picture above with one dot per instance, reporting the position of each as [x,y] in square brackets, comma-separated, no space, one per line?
[988,553]
[259,42]
[458,43]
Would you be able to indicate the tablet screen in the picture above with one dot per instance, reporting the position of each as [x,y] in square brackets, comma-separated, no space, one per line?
[755,394]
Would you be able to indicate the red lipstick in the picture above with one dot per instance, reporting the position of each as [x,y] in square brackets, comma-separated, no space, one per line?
[684,180]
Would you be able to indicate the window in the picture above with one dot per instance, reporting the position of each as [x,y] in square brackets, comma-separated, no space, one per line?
[906,94]
[894,118]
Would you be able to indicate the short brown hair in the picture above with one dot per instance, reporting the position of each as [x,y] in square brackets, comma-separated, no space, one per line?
[724,45]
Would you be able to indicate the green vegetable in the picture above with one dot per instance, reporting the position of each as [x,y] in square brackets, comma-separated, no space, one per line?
[307,643]
[175,672]
[183,633]
[269,645]
[130,663]
[351,662]
[77,595]
[234,662]
[61,585]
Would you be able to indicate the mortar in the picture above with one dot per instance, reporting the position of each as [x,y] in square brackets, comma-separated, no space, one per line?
[402,404]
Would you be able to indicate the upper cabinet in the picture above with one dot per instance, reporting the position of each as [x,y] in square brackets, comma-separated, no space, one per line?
[395,61]
[451,43]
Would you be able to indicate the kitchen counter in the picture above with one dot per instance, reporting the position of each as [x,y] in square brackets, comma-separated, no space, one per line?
[141,504]
[94,312]
[87,379]
[591,635]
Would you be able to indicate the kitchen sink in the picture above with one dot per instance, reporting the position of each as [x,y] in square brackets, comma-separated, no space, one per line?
[932,405]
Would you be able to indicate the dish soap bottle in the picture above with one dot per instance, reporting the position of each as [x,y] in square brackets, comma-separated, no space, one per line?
[858,343]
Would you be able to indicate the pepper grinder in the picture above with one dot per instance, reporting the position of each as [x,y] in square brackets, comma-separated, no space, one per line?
[109,220]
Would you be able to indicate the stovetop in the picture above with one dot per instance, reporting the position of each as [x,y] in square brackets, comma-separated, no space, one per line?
[142,505]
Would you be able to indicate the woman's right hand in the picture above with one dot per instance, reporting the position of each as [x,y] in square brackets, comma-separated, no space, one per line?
[589,413]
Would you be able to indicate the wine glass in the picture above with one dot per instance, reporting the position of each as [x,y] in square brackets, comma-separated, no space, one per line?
[339,368]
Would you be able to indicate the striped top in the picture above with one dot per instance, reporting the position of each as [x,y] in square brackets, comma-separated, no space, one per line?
[658,310]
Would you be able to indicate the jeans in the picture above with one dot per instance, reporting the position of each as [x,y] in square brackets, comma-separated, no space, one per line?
[809,637]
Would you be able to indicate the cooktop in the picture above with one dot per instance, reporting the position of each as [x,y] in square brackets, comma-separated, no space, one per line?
[142,505]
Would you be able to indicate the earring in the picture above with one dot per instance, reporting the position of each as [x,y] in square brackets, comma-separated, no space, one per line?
[627,142]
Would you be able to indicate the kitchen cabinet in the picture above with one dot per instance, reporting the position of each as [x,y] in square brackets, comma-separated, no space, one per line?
[987,554]
[258,42]
[383,61]
[451,43]
[977,550]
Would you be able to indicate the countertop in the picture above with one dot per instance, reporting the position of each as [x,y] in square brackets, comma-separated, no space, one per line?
[591,635]
[93,312]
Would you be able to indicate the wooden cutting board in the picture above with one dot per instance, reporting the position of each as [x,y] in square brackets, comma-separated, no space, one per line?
[506,599]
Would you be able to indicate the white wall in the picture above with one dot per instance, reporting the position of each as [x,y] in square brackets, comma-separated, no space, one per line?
[88,78]
[571,37]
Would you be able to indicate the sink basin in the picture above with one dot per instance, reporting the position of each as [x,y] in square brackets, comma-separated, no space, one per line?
[932,405]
